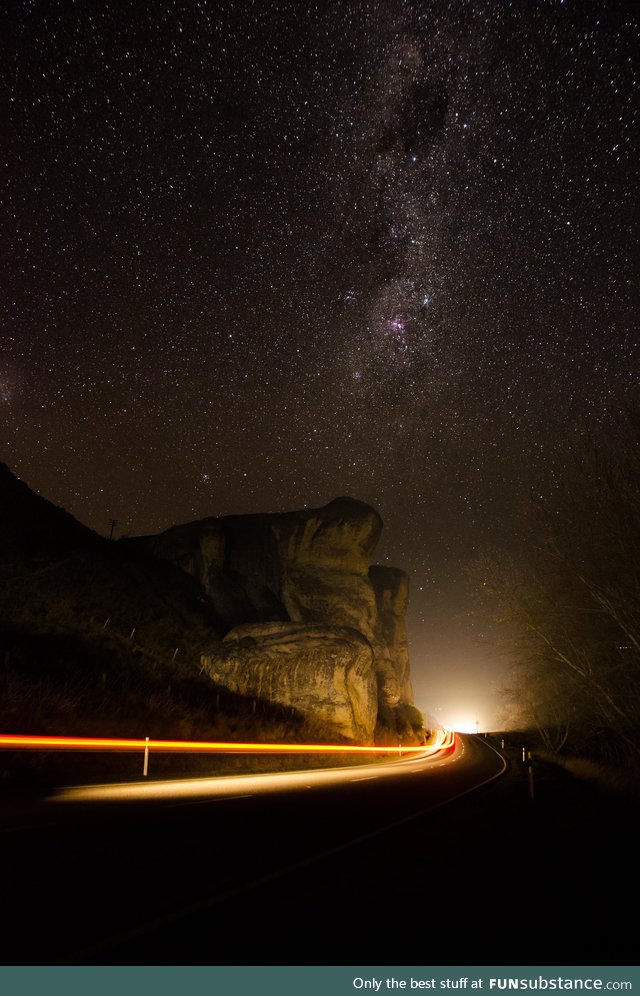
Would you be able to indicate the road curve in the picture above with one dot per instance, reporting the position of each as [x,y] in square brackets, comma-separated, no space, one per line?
[456,750]
[152,876]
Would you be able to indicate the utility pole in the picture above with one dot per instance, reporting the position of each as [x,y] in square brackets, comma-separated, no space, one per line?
[113,523]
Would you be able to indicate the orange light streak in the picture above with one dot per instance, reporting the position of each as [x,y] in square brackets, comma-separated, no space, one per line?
[444,740]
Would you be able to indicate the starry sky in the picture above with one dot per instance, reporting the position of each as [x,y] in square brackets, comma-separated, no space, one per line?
[256,255]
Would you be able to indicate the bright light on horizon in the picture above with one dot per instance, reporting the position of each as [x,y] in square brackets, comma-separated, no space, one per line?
[475,714]
[465,725]
[462,720]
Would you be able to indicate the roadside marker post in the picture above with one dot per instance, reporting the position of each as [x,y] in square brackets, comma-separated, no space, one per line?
[530,774]
[145,767]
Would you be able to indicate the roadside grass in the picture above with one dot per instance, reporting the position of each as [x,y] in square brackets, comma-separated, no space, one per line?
[561,773]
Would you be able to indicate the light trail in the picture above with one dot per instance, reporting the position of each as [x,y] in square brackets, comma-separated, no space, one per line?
[193,791]
[442,740]
[443,743]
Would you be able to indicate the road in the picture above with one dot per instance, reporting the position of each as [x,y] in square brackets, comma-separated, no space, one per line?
[260,871]
[414,868]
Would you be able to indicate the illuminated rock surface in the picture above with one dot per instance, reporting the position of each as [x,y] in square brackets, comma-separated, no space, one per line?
[325,671]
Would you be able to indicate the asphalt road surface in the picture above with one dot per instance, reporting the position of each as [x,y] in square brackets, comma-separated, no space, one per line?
[448,861]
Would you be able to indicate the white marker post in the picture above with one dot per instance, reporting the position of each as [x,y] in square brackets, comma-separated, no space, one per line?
[145,767]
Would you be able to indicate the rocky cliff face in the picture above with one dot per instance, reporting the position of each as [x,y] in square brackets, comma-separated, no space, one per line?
[391,587]
[336,642]
[323,671]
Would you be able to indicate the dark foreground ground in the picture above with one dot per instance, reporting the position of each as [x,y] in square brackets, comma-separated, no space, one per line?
[494,878]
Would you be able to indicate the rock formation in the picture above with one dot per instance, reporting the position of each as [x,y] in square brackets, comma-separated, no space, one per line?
[324,671]
[391,587]
[335,619]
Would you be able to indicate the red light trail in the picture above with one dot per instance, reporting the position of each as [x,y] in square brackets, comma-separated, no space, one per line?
[443,739]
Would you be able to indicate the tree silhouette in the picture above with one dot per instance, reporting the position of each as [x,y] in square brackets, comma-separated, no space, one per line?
[568,599]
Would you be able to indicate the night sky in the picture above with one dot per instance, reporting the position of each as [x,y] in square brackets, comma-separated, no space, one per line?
[256,255]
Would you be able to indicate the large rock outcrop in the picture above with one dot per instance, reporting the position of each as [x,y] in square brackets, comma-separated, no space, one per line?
[310,567]
[391,587]
[324,671]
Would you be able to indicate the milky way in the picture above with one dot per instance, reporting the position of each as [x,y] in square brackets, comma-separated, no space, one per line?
[258,255]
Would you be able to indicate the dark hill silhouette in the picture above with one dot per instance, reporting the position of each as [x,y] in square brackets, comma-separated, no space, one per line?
[33,527]
[58,575]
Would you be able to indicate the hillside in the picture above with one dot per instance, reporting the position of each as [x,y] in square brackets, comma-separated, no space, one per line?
[102,638]
[58,577]
[108,638]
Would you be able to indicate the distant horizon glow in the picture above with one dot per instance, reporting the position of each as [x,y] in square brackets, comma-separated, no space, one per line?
[465,725]
[457,708]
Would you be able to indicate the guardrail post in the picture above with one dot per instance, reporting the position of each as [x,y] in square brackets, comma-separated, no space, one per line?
[145,766]
[530,774]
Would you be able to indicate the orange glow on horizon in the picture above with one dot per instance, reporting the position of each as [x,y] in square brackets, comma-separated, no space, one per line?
[444,739]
